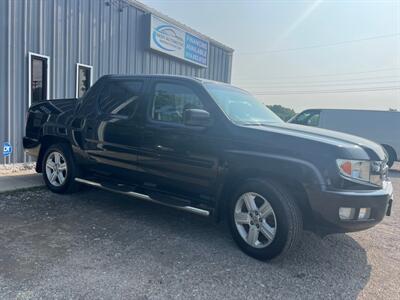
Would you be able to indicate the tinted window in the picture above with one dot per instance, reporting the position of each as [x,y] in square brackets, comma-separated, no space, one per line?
[309,118]
[313,120]
[120,97]
[38,79]
[170,100]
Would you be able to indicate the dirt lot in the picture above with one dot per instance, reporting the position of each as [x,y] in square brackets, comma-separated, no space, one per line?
[97,245]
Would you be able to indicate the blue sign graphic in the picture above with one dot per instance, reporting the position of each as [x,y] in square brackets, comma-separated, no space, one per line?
[7,149]
[166,38]
[196,49]
[177,42]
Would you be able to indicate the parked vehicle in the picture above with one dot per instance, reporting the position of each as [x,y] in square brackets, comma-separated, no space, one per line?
[214,150]
[378,126]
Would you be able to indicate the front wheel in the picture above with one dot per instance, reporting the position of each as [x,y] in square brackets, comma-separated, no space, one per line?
[264,219]
[60,169]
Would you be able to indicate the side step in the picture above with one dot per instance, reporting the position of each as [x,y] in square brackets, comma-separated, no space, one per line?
[194,210]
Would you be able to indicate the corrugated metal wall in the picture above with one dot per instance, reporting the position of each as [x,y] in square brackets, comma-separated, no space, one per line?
[90,32]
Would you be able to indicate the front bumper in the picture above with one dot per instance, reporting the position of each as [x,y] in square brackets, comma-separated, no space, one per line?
[326,204]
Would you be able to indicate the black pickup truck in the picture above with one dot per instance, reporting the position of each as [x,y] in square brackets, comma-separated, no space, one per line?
[211,149]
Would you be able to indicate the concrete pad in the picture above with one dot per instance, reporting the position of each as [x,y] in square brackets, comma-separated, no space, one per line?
[20,182]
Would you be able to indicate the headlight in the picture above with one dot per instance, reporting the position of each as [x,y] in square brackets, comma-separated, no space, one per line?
[362,170]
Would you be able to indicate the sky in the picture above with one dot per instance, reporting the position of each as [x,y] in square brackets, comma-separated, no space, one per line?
[305,54]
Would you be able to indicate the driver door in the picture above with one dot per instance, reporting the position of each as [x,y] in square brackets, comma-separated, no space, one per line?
[174,157]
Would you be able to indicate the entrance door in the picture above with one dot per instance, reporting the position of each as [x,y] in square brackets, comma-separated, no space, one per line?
[83,79]
[38,78]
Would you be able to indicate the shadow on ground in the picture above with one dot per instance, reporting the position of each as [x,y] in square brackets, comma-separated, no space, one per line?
[101,245]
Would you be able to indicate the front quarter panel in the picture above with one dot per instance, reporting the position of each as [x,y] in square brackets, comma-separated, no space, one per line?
[242,161]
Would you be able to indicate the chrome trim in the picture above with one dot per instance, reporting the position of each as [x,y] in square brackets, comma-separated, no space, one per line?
[191,209]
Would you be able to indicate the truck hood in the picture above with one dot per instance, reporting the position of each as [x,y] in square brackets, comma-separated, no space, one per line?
[334,138]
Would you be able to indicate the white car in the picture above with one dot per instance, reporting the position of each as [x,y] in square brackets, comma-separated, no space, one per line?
[382,127]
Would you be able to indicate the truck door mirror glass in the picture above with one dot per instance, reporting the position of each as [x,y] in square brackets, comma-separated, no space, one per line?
[196,117]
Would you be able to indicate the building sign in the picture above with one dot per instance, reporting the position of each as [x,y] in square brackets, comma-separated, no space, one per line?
[177,42]
[7,149]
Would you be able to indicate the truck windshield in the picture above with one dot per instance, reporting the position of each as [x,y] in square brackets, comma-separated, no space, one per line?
[240,106]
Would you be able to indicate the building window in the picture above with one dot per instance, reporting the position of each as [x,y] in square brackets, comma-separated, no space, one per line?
[39,70]
[83,79]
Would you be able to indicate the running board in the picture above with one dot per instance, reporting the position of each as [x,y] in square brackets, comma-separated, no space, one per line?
[194,210]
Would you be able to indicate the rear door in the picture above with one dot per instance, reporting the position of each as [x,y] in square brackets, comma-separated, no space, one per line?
[174,157]
[113,137]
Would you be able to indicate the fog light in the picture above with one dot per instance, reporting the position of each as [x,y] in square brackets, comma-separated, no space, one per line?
[346,213]
[365,213]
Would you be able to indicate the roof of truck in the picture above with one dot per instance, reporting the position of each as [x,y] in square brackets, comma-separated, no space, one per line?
[166,76]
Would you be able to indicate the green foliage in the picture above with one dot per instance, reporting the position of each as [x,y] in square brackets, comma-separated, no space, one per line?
[283,112]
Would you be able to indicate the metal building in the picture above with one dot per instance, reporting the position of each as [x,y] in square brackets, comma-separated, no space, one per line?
[57,48]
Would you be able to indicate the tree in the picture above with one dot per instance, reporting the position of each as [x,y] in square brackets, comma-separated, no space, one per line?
[283,112]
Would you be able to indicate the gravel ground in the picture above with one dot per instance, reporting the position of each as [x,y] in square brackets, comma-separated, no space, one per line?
[17,169]
[98,245]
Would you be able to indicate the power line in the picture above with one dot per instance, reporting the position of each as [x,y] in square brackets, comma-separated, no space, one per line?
[337,81]
[323,85]
[321,45]
[324,74]
[387,88]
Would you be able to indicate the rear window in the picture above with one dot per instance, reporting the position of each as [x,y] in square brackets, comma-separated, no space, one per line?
[120,97]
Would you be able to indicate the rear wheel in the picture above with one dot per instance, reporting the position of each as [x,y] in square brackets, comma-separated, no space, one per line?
[60,169]
[264,219]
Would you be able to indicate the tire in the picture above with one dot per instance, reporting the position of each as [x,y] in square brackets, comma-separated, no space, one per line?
[58,159]
[284,228]
[391,155]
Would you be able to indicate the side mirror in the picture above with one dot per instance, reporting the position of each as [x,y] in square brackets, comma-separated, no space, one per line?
[196,117]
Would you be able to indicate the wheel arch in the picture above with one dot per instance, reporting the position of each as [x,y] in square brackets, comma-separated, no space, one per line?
[293,185]
[390,150]
[45,142]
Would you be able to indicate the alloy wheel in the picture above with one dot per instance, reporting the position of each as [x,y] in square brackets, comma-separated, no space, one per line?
[56,169]
[255,220]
